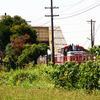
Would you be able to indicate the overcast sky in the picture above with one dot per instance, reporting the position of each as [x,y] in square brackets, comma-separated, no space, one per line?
[73,16]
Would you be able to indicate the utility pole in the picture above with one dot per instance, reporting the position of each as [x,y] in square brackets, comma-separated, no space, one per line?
[52,30]
[92,31]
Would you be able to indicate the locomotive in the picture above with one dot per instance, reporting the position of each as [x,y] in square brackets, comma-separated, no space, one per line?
[71,53]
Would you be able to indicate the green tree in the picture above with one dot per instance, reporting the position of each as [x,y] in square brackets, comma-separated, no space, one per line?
[15,34]
[20,30]
[17,20]
[4,36]
[32,52]
[11,27]
[95,50]
[11,58]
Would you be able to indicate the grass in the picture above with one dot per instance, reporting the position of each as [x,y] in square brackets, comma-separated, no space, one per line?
[30,93]
[30,76]
[35,83]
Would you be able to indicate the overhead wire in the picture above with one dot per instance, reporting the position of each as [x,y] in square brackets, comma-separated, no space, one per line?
[73,5]
[45,23]
[97,29]
[84,8]
[75,15]
[77,31]
[80,12]
[40,18]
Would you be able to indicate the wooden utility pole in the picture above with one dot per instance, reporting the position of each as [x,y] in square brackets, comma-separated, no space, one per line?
[52,30]
[92,31]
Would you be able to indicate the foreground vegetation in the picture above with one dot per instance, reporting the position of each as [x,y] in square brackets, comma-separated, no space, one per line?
[30,93]
[68,76]
[69,81]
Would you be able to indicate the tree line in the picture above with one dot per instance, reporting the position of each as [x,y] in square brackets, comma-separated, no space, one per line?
[18,42]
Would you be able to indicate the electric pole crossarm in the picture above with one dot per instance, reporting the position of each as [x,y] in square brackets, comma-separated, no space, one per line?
[52,7]
[52,31]
[50,15]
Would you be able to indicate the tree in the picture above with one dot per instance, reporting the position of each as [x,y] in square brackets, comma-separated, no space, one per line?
[20,30]
[6,20]
[17,20]
[10,58]
[4,36]
[32,52]
[18,43]
[6,23]
[12,27]
[95,50]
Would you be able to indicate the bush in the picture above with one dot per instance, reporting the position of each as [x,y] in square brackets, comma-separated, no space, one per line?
[72,75]
[35,76]
[67,75]
[90,75]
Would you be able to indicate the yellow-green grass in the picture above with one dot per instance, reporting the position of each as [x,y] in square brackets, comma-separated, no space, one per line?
[30,93]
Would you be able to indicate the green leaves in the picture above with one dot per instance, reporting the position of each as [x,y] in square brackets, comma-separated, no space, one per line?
[12,27]
[95,50]
[72,75]
[32,52]
[67,75]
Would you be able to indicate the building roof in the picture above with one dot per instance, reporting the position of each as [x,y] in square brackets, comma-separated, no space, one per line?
[59,39]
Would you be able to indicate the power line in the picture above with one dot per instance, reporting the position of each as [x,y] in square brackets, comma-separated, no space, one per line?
[75,4]
[40,18]
[85,42]
[45,23]
[97,29]
[80,12]
[70,5]
[95,3]
[77,31]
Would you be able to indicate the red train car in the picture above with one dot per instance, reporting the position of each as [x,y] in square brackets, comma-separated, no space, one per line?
[71,53]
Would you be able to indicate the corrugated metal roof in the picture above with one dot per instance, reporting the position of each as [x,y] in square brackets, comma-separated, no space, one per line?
[59,39]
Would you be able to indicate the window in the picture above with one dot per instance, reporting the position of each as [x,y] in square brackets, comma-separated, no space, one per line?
[65,52]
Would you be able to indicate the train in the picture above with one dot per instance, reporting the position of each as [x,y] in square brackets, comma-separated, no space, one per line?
[71,53]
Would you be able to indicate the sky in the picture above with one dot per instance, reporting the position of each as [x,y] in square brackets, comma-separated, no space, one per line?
[73,17]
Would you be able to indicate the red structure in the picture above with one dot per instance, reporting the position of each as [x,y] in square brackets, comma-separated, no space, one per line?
[71,53]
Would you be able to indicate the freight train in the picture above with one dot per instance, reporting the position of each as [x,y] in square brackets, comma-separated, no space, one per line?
[72,53]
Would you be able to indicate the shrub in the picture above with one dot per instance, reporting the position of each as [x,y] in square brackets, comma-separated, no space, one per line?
[67,75]
[90,75]
[72,75]
[35,76]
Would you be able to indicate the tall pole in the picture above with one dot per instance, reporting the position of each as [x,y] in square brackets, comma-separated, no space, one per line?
[92,42]
[52,31]
[92,32]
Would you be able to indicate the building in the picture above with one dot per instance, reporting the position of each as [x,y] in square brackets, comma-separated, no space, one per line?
[45,36]
[42,34]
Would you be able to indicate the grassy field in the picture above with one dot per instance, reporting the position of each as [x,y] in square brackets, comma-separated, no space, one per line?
[29,93]
[37,83]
